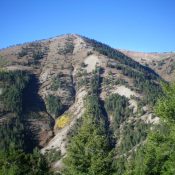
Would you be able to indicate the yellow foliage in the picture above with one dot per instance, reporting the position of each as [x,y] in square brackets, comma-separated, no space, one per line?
[62,121]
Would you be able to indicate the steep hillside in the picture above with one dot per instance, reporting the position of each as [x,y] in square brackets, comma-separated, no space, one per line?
[63,73]
[162,63]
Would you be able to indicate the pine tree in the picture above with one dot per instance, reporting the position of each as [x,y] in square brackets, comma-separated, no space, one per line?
[90,151]
[158,154]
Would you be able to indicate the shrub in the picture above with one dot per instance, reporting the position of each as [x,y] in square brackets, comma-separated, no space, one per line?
[56,83]
[68,48]
[54,105]
[62,121]
[89,53]
[23,52]
[37,55]
[53,155]
[83,64]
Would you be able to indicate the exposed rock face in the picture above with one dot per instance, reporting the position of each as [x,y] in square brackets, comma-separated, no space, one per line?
[75,112]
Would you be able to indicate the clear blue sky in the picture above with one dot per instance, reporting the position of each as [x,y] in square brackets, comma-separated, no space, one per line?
[142,25]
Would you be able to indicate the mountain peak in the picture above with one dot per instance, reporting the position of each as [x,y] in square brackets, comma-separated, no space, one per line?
[55,77]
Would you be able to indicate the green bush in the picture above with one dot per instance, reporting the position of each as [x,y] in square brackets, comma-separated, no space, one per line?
[67,49]
[56,84]
[54,105]
[53,155]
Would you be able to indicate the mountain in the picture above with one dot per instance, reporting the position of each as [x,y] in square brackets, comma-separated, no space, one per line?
[46,83]
[162,63]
